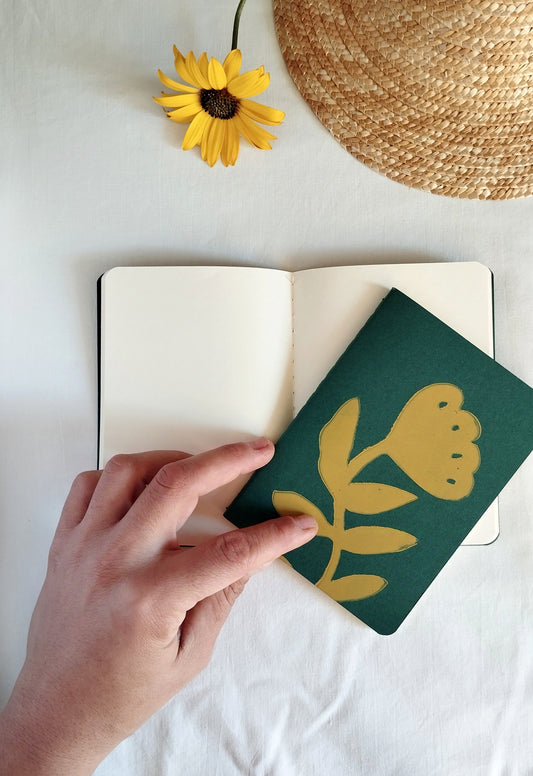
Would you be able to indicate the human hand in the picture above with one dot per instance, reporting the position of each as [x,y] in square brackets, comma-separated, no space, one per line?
[125,617]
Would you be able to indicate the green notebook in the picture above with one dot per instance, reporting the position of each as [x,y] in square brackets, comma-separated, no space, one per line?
[398,453]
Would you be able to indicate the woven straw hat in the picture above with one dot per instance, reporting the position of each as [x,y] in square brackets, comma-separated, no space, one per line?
[437,94]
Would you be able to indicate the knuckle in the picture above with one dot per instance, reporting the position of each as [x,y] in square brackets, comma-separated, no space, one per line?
[173,477]
[235,547]
[120,464]
[84,484]
[84,480]
[233,591]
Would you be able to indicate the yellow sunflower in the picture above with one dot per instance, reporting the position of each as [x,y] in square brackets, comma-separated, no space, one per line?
[217,105]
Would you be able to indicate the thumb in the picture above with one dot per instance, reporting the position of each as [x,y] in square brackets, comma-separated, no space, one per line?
[185,578]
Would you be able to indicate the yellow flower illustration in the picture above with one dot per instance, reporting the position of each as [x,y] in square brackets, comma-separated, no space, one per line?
[432,440]
[217,105]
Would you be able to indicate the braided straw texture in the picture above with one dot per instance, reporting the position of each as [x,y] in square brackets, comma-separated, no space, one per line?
[436,94]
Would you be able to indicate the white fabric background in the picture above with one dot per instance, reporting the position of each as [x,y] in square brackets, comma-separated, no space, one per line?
[92,177]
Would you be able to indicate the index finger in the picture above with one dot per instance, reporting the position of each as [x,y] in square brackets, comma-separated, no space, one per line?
[167,502]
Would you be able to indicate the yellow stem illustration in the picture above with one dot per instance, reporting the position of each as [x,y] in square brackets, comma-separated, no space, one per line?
[362,459]
[338,529]
[356,465]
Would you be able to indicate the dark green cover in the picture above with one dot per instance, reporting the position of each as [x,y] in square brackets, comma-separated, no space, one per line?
[389,395]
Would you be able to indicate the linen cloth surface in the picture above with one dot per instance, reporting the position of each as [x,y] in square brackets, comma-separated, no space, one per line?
[94,177]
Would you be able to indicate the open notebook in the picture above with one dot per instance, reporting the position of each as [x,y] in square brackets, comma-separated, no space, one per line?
[397,454]
[194,357]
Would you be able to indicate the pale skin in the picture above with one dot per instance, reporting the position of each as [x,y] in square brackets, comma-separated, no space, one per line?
[125,617]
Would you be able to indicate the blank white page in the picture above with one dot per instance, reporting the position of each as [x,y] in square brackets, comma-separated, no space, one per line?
[192,358]
[332,304]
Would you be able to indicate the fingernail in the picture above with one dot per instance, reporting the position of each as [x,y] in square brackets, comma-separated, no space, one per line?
[305,522]
[260,444]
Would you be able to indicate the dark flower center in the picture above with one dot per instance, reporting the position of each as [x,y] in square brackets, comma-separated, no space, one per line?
[219,103]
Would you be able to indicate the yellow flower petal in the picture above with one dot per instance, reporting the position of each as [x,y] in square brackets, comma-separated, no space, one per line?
[216,74]
[249,84]
[212,137]
[192,66]
[175,85]
[230,146]
[254,134]
[198,126]
[181,68]
[177,100]
[203,64]
[232,64]
[217,133]
[261,113]
[203,144]
[184,114]
[188,70]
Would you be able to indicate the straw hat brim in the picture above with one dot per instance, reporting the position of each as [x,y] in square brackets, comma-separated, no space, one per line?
[437,95]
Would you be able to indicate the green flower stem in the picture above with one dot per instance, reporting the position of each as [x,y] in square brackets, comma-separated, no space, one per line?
[236,24]
[338,524]
[366,456]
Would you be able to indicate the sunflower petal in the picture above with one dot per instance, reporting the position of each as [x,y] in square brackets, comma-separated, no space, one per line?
[205,142]
[182,70]
[184,114]
[217,74]
[254,134]
[232,64]
[192,66]
[217,134]
[175,85]
[230,146]
[177,100]
[187,68]
[203,64]
[249,84]
[261,113]
[198,126]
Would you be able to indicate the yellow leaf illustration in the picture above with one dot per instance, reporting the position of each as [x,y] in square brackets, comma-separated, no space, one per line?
[286,502]
[335,443]
[353,587]
[371,498]
[374,539]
